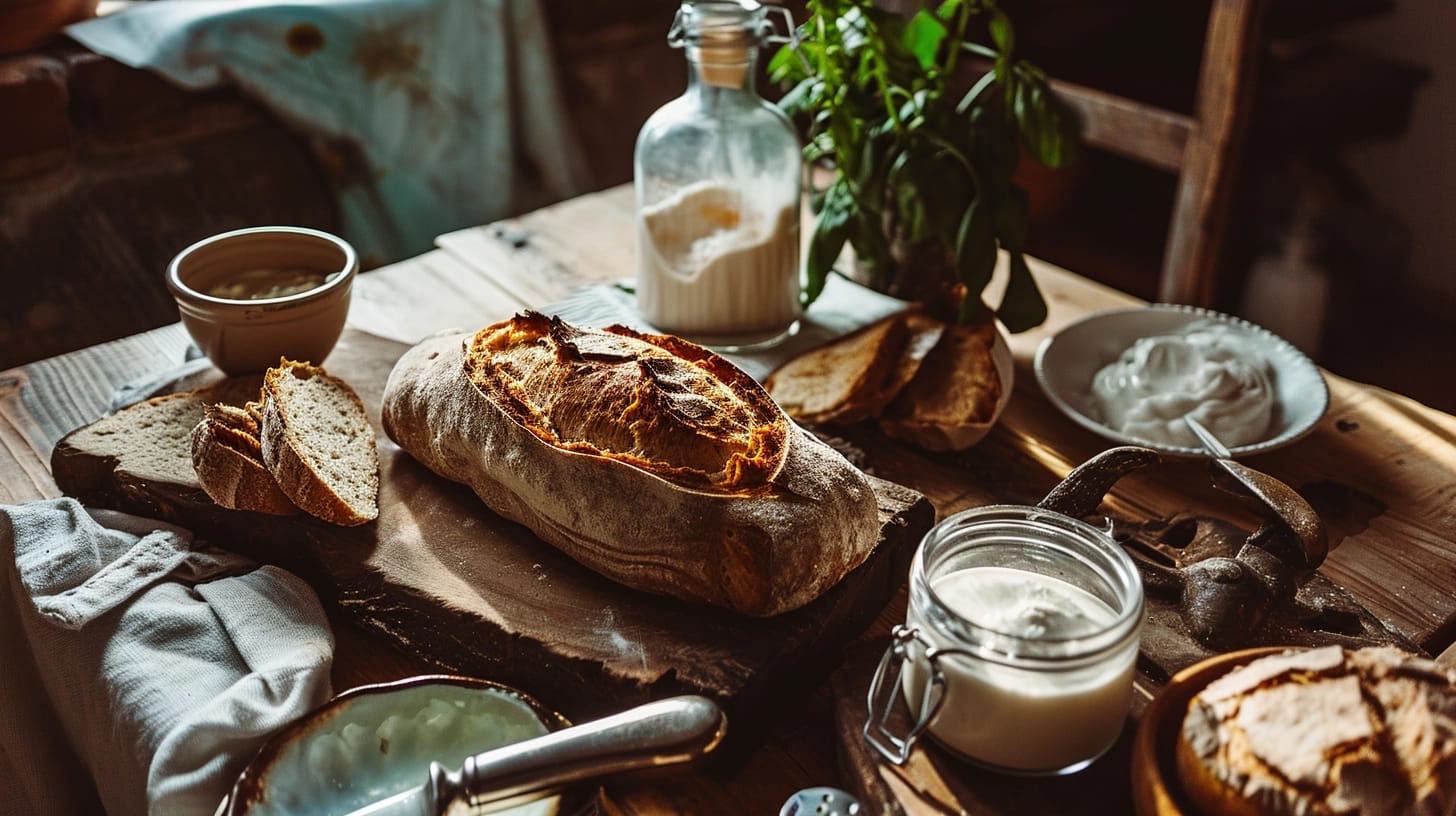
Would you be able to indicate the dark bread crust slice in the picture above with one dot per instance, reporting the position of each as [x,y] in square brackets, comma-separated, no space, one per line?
[228,459]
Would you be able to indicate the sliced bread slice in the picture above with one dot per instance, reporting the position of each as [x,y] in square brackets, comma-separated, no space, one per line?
[228,459]
[151,440]
[318,444]
[854,377]
[957,393]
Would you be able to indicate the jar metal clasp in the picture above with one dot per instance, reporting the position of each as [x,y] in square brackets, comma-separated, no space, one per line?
[885,688]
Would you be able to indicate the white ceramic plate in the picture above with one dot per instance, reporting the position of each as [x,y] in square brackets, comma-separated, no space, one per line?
[1067,361]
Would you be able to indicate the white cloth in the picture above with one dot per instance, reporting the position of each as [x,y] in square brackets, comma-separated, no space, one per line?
[431,115]
[165,665]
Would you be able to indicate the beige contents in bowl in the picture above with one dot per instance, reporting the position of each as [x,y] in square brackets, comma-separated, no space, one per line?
[262,283]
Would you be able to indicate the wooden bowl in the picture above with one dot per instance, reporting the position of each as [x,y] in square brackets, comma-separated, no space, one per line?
[1155,787]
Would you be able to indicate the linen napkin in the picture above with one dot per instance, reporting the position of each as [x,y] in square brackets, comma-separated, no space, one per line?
[165,663]
[432,115]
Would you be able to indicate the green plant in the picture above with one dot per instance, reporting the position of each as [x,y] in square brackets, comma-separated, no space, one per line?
[921,184]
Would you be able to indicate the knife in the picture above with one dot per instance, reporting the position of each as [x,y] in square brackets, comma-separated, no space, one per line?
[666,732]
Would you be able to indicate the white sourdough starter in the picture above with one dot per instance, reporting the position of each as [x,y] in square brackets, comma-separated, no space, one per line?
[1209,371]
[709,266]
[1024,719]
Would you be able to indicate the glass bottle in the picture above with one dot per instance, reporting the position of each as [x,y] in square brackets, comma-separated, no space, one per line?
[718,173]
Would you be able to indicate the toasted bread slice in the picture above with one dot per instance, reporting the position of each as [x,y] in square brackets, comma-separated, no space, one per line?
[956,393]
[318,444]
[228,459]
[856,376]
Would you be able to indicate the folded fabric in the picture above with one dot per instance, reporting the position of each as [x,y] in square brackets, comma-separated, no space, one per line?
[165,664]
[431,115]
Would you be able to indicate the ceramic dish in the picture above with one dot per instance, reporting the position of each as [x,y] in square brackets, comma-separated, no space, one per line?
[246,333]
[1155,788]
[1067,361]
[375,741]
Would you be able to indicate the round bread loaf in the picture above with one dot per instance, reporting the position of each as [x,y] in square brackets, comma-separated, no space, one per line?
[1321,732]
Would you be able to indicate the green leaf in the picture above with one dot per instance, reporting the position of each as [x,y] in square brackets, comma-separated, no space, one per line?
[974,95]
[784,65]
[975,249]
[867,234]
[923,37]
[1013,218]
[1022,307]
[830,232]
[800,97]
[1001,32]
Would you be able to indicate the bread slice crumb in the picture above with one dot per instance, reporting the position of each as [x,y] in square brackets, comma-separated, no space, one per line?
[318,444]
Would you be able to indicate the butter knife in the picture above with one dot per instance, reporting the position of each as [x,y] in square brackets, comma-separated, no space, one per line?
[666,732]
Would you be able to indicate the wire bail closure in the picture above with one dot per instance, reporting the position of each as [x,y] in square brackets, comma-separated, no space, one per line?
[880,701]
[762,25]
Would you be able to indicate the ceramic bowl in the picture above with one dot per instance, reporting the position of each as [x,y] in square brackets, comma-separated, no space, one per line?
[1066,362]
[374,741]
[243,321]
[1155,788]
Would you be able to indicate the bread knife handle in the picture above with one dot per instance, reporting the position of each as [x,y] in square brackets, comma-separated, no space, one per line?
[665,732]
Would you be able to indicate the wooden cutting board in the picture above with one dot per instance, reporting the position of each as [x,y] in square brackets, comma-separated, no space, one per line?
[447,580]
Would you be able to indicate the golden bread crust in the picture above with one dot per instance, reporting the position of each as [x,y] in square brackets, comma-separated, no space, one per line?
[718,499]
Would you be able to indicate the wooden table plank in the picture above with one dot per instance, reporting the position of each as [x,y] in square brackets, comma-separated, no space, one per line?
[415,298]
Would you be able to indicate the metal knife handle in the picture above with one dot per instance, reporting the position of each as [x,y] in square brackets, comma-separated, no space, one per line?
[666,732]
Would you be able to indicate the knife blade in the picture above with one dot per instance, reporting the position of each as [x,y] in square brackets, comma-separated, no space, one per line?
[665,732]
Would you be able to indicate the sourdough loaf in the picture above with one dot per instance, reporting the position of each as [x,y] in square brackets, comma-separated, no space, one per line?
[228,458]
[646,458]
[1321,732]
[317,442]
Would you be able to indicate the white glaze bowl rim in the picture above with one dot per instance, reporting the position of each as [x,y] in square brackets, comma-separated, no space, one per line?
[184,292]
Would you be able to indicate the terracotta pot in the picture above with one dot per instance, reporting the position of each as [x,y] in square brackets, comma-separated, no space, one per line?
[25,24]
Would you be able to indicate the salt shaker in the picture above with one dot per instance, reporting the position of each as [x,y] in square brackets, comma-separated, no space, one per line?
[718,174]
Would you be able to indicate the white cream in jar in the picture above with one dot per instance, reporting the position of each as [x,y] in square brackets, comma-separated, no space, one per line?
[1023,719]
[1210,371]
[1028,621]
[714,264]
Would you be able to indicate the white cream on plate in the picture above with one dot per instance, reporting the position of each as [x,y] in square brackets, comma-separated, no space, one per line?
[1026,718]
[1213,372]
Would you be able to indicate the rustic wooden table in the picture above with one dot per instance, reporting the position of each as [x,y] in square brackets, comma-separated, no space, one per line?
[1384,464]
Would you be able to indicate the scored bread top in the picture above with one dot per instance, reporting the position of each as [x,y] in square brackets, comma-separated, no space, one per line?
[671,408]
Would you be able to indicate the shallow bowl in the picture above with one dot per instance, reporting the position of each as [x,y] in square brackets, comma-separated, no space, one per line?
[242,334]
[1067,361]
[375,741]
[1155,787]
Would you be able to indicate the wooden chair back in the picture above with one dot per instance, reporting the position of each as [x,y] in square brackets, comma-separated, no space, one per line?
[1202,149]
